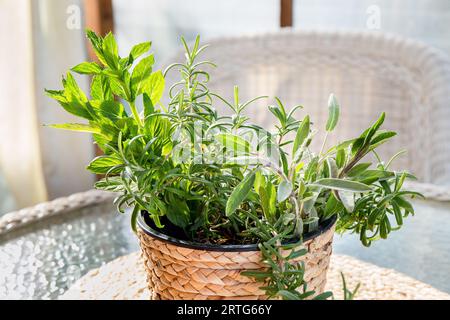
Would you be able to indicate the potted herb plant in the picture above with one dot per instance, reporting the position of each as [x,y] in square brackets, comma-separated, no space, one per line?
[223,208]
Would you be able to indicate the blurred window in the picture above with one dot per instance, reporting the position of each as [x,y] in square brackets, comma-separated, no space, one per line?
[164,21]
[425,20]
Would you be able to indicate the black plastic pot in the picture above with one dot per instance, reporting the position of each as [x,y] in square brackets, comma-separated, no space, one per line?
[145,224]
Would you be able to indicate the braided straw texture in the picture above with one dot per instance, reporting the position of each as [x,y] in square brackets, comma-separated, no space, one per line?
[370,72]
[124,279]
[175,272]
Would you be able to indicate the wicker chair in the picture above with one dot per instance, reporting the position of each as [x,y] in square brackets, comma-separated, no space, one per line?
[369,72]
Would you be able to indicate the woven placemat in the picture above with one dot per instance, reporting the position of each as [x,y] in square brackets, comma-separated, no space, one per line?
[125,279]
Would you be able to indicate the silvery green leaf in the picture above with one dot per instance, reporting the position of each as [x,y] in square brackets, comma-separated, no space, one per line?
[302,134]
[348,200]
[284,190]
[332,167]
[239,194]
[308,203]
[333,113]
[288,218]
[358,169]
[341,184]
[313,220]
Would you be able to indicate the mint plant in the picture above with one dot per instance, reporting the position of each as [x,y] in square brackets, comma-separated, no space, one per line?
[222,179]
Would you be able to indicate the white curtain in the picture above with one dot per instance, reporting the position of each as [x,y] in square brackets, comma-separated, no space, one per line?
[38,46]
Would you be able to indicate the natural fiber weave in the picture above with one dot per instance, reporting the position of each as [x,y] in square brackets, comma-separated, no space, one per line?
[124,279]
[175,272]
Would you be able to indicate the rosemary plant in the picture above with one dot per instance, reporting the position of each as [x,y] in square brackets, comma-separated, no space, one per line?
[222,179]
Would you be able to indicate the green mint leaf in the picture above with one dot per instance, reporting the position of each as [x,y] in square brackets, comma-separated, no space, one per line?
[110,51]
[139,49]
[154,87]
[140,75]
[100,88]
[72,99]
[110,109]
[149,108]
[76,127]
[103,164]
[87,68]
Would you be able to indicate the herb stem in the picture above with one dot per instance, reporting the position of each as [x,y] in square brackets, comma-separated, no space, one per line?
[324,142]
[135,113]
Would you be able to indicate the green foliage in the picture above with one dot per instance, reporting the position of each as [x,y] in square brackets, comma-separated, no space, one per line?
[349,294]
[333,113]
[222,179]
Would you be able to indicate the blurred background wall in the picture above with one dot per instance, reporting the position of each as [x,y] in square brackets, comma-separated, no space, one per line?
[41,39]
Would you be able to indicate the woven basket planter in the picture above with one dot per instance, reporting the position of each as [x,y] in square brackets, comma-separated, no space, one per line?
[184,270]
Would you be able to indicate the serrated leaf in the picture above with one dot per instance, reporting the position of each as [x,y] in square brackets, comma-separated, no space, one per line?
[103,164]
[110,109]
[333,113]
[149,108]
[154,87]
[139,50]
[87,68]
[117,88]
[110,51]
[141,74]
[239,194]
[72,99]
[76,127]
[97,45]
[100,88]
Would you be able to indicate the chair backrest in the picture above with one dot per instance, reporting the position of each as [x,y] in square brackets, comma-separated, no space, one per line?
[369,72]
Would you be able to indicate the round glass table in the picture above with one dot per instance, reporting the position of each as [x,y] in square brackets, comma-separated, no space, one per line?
[44,257]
